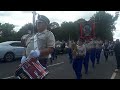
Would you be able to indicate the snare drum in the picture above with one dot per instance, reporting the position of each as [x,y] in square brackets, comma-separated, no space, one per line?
[31,69]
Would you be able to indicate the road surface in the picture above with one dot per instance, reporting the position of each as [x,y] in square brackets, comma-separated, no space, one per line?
[62,69]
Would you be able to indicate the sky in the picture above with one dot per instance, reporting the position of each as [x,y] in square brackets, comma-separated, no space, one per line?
[20,18]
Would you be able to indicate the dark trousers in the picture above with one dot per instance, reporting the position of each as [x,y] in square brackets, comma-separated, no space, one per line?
[70,55]
[62,50]
[92,56]
[118,61]
[86,62]
[77,67]
[111,52]
[98,52]
[53,56]
[43,62]
[106,53]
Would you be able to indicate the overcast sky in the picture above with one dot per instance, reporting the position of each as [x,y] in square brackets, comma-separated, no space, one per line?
[20,18]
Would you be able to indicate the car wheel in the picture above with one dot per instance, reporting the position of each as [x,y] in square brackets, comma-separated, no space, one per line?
[9,57]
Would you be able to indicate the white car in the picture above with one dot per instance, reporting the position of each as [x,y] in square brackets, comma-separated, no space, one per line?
[10,50]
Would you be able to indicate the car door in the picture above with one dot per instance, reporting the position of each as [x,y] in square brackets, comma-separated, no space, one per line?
[17,49]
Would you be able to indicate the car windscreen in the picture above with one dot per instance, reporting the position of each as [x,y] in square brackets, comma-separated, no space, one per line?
[18,44]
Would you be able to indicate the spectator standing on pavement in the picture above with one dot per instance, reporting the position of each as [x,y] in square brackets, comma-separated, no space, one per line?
[25,37]
[117,53]
[79,52]
[24,44]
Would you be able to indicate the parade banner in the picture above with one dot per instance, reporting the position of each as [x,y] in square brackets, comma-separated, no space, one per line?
[87,30]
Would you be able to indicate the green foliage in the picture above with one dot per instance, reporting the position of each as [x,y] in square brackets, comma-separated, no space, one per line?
[24,30]
[104,27]
[8,32]
[105,24]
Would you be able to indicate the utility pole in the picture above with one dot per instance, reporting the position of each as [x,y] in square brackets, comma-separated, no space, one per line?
[34,14]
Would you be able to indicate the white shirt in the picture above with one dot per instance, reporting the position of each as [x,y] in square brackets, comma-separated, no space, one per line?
[81,50]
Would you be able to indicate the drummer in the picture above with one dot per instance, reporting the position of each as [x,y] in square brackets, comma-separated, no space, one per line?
[45,43]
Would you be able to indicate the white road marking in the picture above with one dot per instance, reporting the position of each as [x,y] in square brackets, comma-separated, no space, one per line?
[113,75]
[8,77]
[47,66]
[55,64]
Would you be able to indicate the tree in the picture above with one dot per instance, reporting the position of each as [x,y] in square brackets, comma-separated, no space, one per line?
[81,20]
[24,30]
[104,24]
[7,31]
[67,30]
[104,27]
[54,25]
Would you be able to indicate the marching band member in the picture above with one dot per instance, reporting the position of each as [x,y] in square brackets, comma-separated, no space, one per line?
[23,42]
[106,49]
[79,52]
[25,37]
[45,41]
[70,51]
[87,56]
[98,49]
[117,54]
[111,48]
[93,52]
